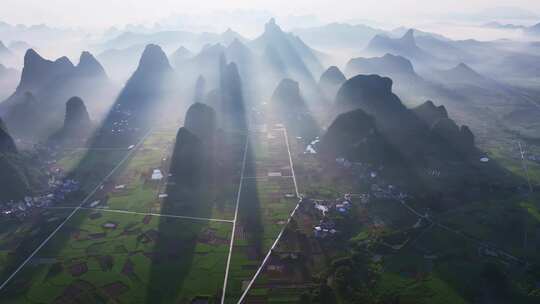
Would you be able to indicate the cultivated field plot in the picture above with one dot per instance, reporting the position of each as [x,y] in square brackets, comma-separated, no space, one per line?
[265,206]
[276,200]
[509,225]
[320,181]
[439,267]
[103,257]
[268,155]
[133,187]
[289,270]
[89,167]
[18,239]
[138,188]
[266,201]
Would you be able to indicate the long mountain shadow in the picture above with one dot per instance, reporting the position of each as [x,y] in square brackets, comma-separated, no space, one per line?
[203,163]
[249,212]
[127,123]
[174,250]
[289,106]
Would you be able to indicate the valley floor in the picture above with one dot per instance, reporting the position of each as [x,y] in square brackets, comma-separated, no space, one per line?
[256,242]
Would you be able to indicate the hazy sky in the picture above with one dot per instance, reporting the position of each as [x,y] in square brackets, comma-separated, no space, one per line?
[119,12]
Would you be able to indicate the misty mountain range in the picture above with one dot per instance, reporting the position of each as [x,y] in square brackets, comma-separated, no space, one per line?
[226,75]
[412,58]
[315,163]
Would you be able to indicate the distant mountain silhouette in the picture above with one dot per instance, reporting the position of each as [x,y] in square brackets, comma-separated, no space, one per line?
[51,83]
[463,74]
[418,34]
[407,81]
[77,124]
[232,103]
[287,96]
[287,54]
[354,136]
[447,52]
[186,162]
[503,26]
[388,65]
[147,94]
[330,82]
[180,56]
[238,53]
[289,105]
[206,64]
[405,46]
[166,39]
[245,59]
[89,67]
[406,131]
[38,72]
[146,85]
[338,35]
[201,120]
[199,90]
[273,64]
[229,36]
[76,115]
[248,64]
[372,93]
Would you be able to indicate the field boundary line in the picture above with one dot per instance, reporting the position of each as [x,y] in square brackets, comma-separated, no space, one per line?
[267,177]
[227,268]
[160,215]
[278,238]
[206,219]
[74,211]
[291,162]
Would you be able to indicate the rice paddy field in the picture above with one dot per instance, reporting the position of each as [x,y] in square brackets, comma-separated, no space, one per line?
[101,257]
[121,247]
[17,240]
[266,201]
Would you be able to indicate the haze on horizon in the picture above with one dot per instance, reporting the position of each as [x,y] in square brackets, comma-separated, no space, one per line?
[106,13]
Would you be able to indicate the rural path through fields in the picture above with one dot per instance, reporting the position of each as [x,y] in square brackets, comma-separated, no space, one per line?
[278,238]
[227,268]
[205,219]
[478,242]
[75,210]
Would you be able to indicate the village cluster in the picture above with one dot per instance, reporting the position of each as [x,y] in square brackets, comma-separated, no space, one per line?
[326,226]
[378,189]
[58,188]
[121,122]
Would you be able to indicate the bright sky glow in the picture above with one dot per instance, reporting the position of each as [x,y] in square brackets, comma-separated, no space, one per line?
[104,13]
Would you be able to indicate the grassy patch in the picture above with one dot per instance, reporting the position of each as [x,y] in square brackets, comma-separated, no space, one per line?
[168,260]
